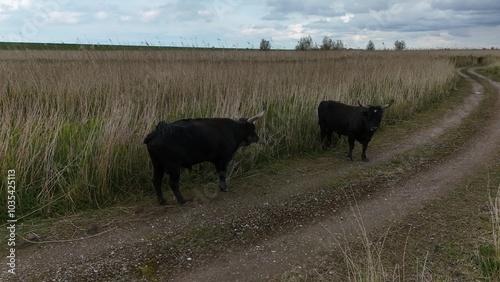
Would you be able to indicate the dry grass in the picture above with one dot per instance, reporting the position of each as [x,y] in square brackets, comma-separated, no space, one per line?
[73,121]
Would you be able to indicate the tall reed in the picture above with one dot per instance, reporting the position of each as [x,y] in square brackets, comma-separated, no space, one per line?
[73,121]
[488,253]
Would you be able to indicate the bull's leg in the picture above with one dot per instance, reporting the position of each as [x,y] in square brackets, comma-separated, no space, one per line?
[329,134]
[222,172]
[326,136]
[157,178]
[175,175]
[222,181]
[363,152]
[351,140]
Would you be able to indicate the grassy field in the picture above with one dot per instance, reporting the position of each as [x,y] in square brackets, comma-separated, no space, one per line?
[73,121]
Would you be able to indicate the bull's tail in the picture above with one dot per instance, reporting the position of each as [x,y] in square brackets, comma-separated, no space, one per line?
[149,137]
[158,130]
[321,112]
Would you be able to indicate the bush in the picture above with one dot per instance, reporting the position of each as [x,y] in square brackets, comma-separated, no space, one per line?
[305,44]
[265,45]
[399,45]
[370,46]
[329,44]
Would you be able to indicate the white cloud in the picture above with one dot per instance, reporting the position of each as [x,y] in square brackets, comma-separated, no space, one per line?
[358,38]
[101,15]
[65,17]
[126,18]
[253,31]
[149,15]
[295,31]
[347,17]
[204,13]
[13,5]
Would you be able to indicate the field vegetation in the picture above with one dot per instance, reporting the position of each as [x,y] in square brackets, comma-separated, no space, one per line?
[73,122]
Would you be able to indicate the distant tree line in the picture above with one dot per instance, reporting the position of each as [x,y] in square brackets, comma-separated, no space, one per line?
[306,44]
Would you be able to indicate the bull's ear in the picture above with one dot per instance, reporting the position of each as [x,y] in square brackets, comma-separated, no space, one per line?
[361,105]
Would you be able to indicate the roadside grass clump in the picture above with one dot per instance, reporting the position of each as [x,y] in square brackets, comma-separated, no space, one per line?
[73,122]
[488,253]
[493,71]
[366,261]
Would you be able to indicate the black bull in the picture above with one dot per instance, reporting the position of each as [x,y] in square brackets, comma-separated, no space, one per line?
[184,143]
[358,123]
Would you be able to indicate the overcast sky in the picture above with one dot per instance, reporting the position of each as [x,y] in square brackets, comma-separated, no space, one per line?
[238,23]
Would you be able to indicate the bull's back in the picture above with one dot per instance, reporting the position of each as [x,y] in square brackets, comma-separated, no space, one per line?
[163,142]
[188,142]
[336,116]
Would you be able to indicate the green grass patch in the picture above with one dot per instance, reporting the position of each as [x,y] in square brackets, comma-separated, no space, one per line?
[146,269]
[491,72]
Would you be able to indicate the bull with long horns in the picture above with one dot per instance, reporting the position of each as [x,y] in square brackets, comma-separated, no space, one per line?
[187,142]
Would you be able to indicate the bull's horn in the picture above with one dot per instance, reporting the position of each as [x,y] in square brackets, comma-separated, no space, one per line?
[388,104]
[361,105]
[259,115]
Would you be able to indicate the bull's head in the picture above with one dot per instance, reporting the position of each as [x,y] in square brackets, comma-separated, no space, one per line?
[373,115]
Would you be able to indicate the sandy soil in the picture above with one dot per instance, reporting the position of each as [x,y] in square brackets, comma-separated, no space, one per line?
[118,246]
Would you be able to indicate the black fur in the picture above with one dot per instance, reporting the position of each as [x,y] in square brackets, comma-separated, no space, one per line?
[358,123]
[187,142]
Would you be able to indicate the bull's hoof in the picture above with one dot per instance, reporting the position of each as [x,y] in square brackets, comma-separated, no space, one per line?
[349,158]
[366,159]
[186,202]
[223,186]
[162,202]
[181,202]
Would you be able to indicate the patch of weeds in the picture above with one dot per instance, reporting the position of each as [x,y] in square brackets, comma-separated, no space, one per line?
[488,260]
[147,268]
[491,72]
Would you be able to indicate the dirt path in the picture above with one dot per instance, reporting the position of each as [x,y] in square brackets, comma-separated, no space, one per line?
[136,236]
[285,252]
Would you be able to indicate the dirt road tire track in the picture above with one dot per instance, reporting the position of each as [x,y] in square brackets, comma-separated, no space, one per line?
[289,251]
[117,253]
